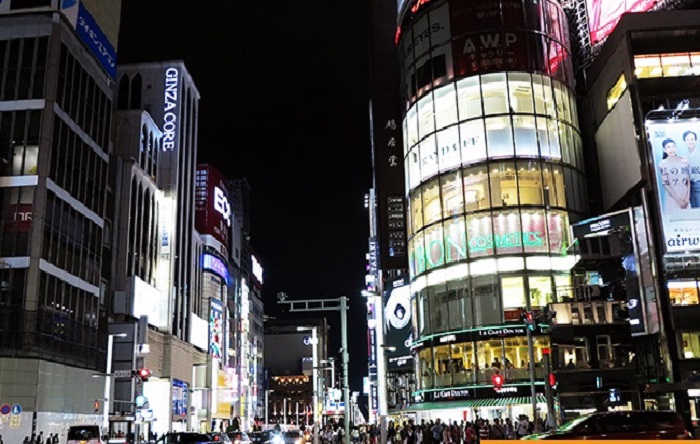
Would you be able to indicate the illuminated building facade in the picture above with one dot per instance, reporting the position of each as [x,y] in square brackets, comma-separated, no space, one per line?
[55,144]
[493,176]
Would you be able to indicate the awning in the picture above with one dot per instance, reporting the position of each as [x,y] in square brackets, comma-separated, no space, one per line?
[473,403]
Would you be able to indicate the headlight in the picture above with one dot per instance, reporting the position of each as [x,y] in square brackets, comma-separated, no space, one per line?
[277,440]
[298,441]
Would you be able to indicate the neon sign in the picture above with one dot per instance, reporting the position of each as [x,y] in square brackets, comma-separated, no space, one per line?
[172,81]
[418,4]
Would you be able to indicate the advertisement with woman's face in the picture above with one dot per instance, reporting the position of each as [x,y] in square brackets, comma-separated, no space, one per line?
[677,170]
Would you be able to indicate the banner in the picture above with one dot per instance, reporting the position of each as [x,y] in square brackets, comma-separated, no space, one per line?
[603,15]
[398,326]
[677,166]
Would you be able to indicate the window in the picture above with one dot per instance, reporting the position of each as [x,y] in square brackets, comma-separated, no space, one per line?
[683,292]
[513,293]
[476,188]
[455,240]
[469,98]
[428,158]
[427,369]
[499,137]
[554,192]
[520,90]
[495,93]
[486,301]
[472,141]
[507,233]
[413,168]
[530,183]
[434,247]
[490,354]
[540,291]
[426,120]
[534,232]
[445,106]
[431,202]
[575,356]
[691,345]
[516,355]
[604,348]
[452,197]
[412,126]
[480,235]
[504,185]
[538,94]
[525,136]
[448,148]
[416,211]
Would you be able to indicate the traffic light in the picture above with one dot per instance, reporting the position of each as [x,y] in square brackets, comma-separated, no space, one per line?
[143,374]
[497,380]
[552,380]
[529,320]
[97,406]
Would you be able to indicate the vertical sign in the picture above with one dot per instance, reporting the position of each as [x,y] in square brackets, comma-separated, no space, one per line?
[170,108]
[398,326]
[216,329]
[372,355]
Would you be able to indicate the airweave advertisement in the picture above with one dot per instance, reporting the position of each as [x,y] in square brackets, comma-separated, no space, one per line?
[603,15]
[677,165]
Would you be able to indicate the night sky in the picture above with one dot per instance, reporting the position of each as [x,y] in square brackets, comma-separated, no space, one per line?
[284,103]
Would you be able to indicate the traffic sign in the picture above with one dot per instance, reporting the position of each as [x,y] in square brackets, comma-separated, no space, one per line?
[16,409]
[5,409]
[141,401]
[122,373]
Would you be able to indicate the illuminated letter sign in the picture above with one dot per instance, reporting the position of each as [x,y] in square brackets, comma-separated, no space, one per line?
[172,81]
[221,204]
[215,265]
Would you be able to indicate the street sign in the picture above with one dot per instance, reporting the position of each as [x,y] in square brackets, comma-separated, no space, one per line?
[16,409]
[5,409]
[122,373]
[141,401]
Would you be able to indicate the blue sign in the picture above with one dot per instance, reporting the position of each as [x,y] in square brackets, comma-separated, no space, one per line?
[215,265]
[91,34]
[16,409]
[140,401]
[65,4]
[5,408]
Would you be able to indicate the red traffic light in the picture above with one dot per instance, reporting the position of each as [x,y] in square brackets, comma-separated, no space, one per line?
[552,379]
[497,380]
[143,374]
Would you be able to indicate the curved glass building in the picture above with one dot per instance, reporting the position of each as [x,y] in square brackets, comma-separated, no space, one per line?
[494,176]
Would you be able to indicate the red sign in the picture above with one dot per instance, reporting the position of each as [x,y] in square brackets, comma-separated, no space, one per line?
[603,15]
[21,218]
[212,208]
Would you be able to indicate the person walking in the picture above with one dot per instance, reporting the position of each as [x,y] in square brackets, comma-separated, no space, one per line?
[456,433]
[497,431]
[436,432]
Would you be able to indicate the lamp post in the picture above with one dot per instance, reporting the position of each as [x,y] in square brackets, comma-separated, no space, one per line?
[314,375]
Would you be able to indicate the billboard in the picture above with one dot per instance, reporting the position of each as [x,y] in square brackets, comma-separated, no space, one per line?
[603,15]
[398,326]
[212,208]
[216,329]
[677,166]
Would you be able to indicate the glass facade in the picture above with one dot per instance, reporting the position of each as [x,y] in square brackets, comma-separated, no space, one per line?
[494,175]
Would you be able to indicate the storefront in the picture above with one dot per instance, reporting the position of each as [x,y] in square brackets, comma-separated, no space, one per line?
[468,404]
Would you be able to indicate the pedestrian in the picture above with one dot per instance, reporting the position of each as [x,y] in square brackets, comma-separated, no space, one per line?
[523,425]
[26,440]
[40,439]
[1,441]
[436,432]
[49,440]
[456,433]
[497,431]
[509,429]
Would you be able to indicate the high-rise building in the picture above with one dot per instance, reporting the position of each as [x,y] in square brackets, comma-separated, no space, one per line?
[58,67]
[163,283]
[494,174]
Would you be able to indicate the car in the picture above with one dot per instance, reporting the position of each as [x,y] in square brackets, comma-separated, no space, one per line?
[258,437]
[186,438]
[221,437]
[239,438]
[293,437]
[632,425]
[84,434]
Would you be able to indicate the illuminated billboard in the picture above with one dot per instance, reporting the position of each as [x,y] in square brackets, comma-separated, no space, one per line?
[216,329]
[398,326]
[212,208]
[677,166]
[603,15]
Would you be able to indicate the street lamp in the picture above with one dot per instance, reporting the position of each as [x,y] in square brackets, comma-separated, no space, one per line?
[108,380]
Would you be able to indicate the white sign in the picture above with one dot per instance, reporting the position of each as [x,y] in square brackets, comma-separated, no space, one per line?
[172,83]
[221,205]
[122,373]
[257,270]
[677,161]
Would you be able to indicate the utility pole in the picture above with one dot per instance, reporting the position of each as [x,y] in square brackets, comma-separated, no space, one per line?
[339,304]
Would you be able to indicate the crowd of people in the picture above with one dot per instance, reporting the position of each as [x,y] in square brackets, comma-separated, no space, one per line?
[41,439]
[439,432]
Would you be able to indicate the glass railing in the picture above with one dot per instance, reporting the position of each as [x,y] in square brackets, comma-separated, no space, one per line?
[478,377]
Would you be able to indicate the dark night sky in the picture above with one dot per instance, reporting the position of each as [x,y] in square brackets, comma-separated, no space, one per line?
[284,104]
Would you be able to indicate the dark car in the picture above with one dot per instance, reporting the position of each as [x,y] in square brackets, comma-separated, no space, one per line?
[220,437]
[239,438]
[621,425]
[293,437]
[186,438]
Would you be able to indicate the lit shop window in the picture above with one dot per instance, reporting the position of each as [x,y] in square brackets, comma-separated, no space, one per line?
[472,141]
[431,202]
[452,197]
[469,98]
[25,160]
[504,185]
[513,293]
[495,93]
[499,137]
[691,345]
[404,134]
[683,292]
[412,126]
[455,240]
[530,183]
[540,291]
[520,90]
[413,167]
[426,119]
[476,188]
[434,247]
[563,289]
[525,135]
[508,236]
[616,91]
[416,211]
[449,156]
[480,235]
[667,65]
[445,106]
[428,158]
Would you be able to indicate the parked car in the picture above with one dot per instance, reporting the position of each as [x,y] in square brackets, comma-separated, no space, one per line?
[186,438]
[85,434]
[239,438]
[633,425]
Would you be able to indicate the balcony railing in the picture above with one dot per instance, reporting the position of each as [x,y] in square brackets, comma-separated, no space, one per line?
[49,335]
[589,312]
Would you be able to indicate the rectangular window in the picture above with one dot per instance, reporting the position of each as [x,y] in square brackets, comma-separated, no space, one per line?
[469,98]
[452,197]
[691,345]
[476,188]
[431,202]
[513,293]
[540,291]
[495,93]
[426,118]
[520,90]
[445,106]
[416,211]
[448,148]
[428,158]
[504,185]
[412,126]
[499,136]
[683,292]
[472,141]
[525,136]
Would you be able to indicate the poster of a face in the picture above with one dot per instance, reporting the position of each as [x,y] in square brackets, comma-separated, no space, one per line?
[677,168]
[216,329]
[397,316]
[603,15]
